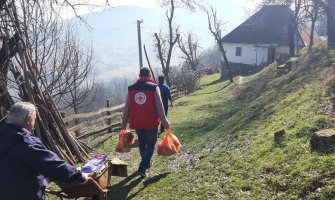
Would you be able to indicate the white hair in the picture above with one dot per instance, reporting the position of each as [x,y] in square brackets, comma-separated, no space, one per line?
[19,111]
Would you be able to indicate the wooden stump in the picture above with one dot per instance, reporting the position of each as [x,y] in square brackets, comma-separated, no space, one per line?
[279,136]
[323,141]
[118,168]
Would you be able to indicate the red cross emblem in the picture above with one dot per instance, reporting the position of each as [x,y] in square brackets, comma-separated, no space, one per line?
[140,98]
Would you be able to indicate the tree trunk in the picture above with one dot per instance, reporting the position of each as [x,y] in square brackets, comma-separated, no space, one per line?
[226,63]
[311,39]
[146,56]
[330,27]
[167,78]
[314,18]
[291,38]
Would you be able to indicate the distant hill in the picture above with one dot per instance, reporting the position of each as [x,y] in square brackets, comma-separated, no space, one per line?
[114,35]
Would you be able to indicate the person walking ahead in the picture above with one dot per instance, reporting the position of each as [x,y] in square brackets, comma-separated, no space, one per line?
[144,111]
[165,95]
[25,161]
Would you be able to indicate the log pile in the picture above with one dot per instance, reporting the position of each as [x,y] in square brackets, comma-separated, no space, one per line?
[16,65]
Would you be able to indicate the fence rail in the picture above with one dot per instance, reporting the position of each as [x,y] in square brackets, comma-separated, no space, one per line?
[106,119]
[92,114]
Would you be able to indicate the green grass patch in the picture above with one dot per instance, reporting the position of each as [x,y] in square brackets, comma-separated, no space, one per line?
[227,133]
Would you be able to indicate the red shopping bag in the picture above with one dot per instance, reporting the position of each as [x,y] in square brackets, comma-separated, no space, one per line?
[126,138]
[170,145]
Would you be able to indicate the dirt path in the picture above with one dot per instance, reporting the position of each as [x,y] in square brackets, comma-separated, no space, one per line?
[240,80]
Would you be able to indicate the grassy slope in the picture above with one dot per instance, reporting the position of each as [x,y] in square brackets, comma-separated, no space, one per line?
[228,145]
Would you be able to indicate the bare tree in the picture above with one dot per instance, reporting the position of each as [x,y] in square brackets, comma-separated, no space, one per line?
[80,92]
[321,24]
[293,26]
[62,61]
[211,58]
[146,56]
[191,5]
[166,42]
[26,47]
[189,48]
[215,26]
[312,12]
[329,8]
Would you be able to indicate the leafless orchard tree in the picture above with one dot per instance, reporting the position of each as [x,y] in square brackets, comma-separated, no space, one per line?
[165,42]
[189,49]
[215,26]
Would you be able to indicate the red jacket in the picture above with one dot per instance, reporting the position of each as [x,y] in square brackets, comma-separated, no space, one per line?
[141,105]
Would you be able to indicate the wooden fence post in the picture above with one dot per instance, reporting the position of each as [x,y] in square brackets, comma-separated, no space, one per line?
[109,120]
[63,115]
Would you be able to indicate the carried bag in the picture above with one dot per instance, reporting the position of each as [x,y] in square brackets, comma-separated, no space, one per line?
[126,139]
[170,145]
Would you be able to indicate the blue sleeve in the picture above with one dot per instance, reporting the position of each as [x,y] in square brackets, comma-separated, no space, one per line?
[168,93]
[165,90]
[47,163]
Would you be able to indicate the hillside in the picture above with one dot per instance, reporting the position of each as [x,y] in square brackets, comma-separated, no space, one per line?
[227,132]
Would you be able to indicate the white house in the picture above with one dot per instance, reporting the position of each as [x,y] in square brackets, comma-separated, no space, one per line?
[263,37]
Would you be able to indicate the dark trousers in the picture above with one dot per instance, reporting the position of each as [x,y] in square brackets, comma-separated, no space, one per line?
[166,107]
[146,140]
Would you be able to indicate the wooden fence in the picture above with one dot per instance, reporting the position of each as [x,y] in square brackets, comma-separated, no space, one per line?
[104,120]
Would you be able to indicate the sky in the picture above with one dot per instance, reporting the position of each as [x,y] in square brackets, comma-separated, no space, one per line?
[150,3]
[115,40]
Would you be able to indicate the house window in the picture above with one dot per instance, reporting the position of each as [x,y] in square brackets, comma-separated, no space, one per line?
[238,51]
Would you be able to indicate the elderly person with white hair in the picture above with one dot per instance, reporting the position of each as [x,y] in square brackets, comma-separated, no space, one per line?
[25,161]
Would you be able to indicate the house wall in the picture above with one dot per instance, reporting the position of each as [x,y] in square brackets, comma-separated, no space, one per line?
[282,50]
[251,55]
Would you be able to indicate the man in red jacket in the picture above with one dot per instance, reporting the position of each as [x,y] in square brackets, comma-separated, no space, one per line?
[144,110]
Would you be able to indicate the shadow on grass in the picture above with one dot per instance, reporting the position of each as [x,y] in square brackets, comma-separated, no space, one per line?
[213,91]
[121,190]
[214,82]
[148,182]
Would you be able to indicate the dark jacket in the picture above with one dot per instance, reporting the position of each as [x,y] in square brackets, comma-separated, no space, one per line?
[165,94]
[24,161]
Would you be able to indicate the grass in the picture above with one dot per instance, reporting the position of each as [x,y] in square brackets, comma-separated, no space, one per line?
[227,133]
[228,145]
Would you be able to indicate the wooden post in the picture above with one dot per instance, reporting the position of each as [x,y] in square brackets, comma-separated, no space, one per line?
[109,120]
[63,115]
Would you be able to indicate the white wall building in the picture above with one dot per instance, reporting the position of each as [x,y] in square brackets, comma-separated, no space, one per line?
[263,37]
